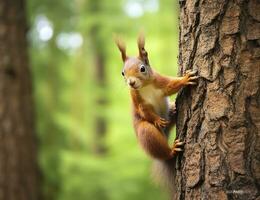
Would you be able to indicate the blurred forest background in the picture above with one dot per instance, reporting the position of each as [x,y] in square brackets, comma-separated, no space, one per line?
[87,146]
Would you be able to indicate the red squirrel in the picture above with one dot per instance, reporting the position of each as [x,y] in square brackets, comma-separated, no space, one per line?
[152,114]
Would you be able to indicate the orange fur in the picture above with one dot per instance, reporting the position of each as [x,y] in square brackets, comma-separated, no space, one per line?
[169,85]
[152,115]
[150,127]
[152,121]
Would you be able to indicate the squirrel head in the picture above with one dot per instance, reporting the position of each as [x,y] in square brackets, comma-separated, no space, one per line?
[136,71]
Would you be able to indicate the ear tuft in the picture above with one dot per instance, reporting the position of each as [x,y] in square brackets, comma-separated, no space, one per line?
[141,41]
[142,52]
[121,46]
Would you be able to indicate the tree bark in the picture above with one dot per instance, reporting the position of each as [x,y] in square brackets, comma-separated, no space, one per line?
[18,168]
[98,49]
[219,119]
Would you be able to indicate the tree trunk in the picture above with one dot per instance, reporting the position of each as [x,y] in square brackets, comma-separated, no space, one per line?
[98,50]
[101,99]
[219,119]
[18,168]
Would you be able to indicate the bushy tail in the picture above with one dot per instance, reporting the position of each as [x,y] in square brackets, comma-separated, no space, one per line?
[163,172]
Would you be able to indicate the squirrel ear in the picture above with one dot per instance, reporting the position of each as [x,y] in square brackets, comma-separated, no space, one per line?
[142,52]
[121,46]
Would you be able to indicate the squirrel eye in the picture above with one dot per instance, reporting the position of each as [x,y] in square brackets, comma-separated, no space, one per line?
[123,74]
[142,68]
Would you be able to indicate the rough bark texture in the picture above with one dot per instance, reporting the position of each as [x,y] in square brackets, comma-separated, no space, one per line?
[219,119]
[18,168]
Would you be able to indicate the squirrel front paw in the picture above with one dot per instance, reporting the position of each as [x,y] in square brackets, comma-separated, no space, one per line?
[161,123]
[176,147]
[190,76]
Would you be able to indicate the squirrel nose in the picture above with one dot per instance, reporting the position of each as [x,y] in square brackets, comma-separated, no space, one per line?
[132,83]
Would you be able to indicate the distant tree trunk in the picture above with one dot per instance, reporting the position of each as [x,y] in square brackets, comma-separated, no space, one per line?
[219,119]
[18,166]
[98,50]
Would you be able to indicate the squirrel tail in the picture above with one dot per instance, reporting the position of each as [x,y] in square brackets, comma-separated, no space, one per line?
[163,173]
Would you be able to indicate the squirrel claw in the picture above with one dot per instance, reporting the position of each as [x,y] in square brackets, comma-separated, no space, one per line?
[191,83]
[190,77]
[176,147]
[177,142]
[190,73]
[161,123]
[193,78]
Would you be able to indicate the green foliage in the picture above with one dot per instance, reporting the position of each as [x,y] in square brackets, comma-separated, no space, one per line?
[65,94]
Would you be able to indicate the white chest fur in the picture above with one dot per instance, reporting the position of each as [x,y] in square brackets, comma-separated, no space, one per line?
[154,96]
